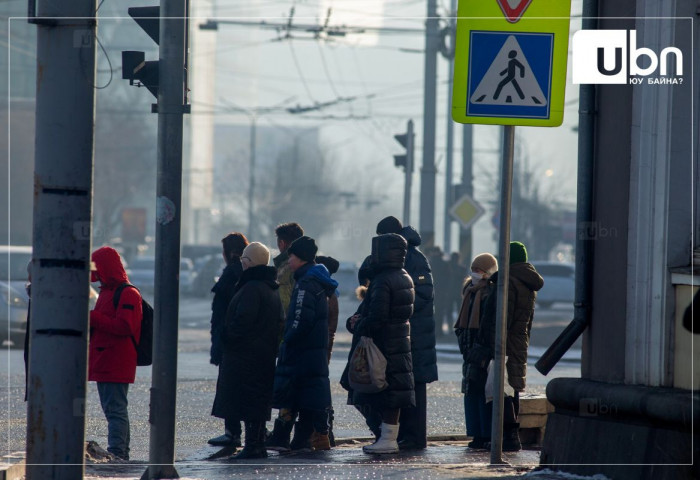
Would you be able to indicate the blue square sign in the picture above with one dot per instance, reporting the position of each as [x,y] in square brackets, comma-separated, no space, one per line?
[510,74]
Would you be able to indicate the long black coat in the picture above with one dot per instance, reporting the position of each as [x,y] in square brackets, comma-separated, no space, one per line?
[223,293]
[250,340]
[385,318]
[422,321]
[301,377]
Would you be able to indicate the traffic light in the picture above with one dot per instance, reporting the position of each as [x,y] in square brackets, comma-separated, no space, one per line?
[134,64]
[406,141]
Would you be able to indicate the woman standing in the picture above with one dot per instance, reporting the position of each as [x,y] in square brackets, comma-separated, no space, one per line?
[388,306]
[250,342]
[474,292]
[233,245]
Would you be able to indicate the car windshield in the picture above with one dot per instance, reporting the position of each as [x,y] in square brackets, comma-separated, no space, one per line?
[143,264]
[14,266]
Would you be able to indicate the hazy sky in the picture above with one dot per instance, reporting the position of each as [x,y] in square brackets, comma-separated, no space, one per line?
[385,73]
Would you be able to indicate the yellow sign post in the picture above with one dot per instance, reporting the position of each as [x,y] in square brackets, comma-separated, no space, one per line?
[510,62]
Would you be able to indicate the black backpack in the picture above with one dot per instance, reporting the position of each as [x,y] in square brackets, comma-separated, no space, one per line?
[144,347]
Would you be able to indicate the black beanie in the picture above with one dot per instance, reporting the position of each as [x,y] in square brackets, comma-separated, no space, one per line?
[389,225]
[329,262]
[304,247]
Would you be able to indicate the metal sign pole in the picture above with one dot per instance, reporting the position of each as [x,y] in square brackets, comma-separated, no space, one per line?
[499,360]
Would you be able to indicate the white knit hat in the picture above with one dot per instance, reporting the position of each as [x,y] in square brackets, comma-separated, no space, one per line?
[255,254]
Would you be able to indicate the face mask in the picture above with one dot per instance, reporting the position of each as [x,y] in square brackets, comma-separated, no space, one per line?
[476,277]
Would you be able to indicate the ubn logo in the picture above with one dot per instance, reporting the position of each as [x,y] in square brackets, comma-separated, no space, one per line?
[602,56]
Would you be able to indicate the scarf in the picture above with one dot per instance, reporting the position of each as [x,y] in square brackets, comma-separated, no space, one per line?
[471,296]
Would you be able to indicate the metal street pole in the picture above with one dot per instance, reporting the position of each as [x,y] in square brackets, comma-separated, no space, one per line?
[499,361]
[449,158]
[465,236]
[64,145]
[408,185]
[428,171]
[251,178]
[171,107]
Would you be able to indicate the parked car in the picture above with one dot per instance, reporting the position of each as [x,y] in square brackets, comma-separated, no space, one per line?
[558,283]
[141,272]
[208,268]
[14,305]
[13,265]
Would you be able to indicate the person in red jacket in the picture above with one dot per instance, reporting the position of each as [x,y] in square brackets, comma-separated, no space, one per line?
[114,333]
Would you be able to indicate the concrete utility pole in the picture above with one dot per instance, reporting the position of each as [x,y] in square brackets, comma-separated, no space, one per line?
[171,107]
[65,113]
[449,157]
[428,171]
[467,187]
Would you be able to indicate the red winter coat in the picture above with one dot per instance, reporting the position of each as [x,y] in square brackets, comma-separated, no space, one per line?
[112,355]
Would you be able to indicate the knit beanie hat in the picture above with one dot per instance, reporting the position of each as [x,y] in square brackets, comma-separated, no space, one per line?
[389,225]
[518,253]
[485,262]
[329,262]
[255,254]
[304,247]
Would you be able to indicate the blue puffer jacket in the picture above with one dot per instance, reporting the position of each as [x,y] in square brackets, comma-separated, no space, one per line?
[301,377]
[422,321]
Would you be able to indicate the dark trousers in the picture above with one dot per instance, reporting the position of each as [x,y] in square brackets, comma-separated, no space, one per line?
[315,419]
[511,410]
[412,422]
[233,426]
[477,413]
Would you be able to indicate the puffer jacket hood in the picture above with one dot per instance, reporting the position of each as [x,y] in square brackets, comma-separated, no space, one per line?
[527,274]
[412,236]
[321,273]
[109,267]
[388,251]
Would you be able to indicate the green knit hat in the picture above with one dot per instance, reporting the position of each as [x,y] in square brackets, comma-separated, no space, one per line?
[518,253]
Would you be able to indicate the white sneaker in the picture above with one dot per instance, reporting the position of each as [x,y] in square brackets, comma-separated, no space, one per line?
[386,442]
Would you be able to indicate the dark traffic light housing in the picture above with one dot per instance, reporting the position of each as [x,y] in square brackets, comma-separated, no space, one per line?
[407,141]
[134,64]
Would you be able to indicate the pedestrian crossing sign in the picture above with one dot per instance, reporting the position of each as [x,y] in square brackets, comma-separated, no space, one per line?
[511,71]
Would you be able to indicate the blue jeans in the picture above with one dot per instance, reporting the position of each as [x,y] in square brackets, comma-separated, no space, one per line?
[476,412]
[114,405]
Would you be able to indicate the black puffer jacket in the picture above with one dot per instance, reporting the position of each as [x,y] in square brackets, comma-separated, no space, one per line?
[388,306]
[524,282]
[422,321]
[251,330]
[223,293]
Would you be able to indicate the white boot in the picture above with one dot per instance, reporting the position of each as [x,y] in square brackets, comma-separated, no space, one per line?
[387,440]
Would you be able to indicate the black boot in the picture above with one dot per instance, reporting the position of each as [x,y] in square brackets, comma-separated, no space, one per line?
[302,435]
[331,417]
[511,437]
[254,442]
[279,440]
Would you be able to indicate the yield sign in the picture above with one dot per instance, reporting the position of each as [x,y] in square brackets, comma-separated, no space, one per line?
[466,211]
[513,9]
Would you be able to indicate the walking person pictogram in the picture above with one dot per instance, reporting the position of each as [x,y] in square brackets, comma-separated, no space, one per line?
[509,72]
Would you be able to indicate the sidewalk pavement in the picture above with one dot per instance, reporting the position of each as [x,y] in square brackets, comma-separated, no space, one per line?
[442,459]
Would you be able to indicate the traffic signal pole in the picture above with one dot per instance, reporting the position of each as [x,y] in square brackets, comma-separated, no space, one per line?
[65,112]
[428,170]
[171,108]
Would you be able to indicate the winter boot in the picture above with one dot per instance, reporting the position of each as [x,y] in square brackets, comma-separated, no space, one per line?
[478,443]
[331,417]
[320,441]
[254,442]
[387,441]
[302,436]
[511,438]
[279,440]
[225,440]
